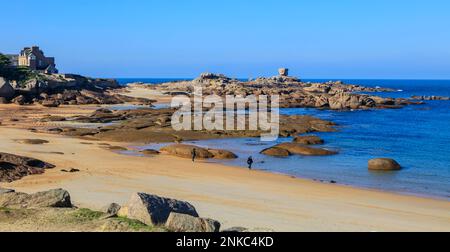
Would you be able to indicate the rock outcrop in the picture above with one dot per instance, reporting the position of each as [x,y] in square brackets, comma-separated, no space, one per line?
[112,209]
[293,93]
[222,154]
[154,210]
[185,151]
[296,149]
[150,152]
[14,167]
[318,88]
[57,82]
[52,90]
[384,164]
[52,198]
[308,140]
[153,125]
[276,152]
[186,223]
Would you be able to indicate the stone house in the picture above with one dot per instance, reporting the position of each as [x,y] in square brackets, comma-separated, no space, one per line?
[34,58]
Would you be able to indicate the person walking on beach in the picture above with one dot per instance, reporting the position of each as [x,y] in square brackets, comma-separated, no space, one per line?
[193,154]
[250,162]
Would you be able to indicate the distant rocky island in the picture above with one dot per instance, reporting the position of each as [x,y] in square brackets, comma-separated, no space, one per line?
[293,92]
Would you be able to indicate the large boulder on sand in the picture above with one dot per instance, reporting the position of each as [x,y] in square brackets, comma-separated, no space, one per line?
[276,152]
[185,151]
[308,140]
[53,198]
[5,190]
[222,154]
[297,149]
[384,164]
[186,223]
[6,90]
[14,167]
[154,210]
[112,209]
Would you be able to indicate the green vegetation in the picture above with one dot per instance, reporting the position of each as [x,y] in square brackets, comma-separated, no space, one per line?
[13,73]
[68,219]
[136,225]
[5,210]
[85,214]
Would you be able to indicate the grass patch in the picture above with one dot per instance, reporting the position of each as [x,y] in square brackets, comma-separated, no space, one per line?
[137,225]
[5,209]
[85,214]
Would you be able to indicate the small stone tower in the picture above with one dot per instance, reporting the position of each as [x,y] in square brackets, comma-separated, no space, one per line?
[283,72]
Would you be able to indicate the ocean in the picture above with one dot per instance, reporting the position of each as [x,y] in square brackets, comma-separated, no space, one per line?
[417,136]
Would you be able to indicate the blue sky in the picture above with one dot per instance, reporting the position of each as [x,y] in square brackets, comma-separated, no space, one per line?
[240,38]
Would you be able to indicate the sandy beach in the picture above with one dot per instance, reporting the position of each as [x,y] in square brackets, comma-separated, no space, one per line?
[225,116]
[232,195]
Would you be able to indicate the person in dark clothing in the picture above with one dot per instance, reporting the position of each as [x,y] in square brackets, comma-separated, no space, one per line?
[250,162]
[194,154]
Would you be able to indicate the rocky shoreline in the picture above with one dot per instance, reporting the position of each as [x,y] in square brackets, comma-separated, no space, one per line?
[53,90]
[153,125]
[14,167]
[147,125]
[293,92]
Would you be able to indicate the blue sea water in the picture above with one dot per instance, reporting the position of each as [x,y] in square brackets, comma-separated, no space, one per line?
[417,136]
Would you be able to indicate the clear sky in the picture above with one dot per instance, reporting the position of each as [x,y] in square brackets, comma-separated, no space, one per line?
[241,38]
